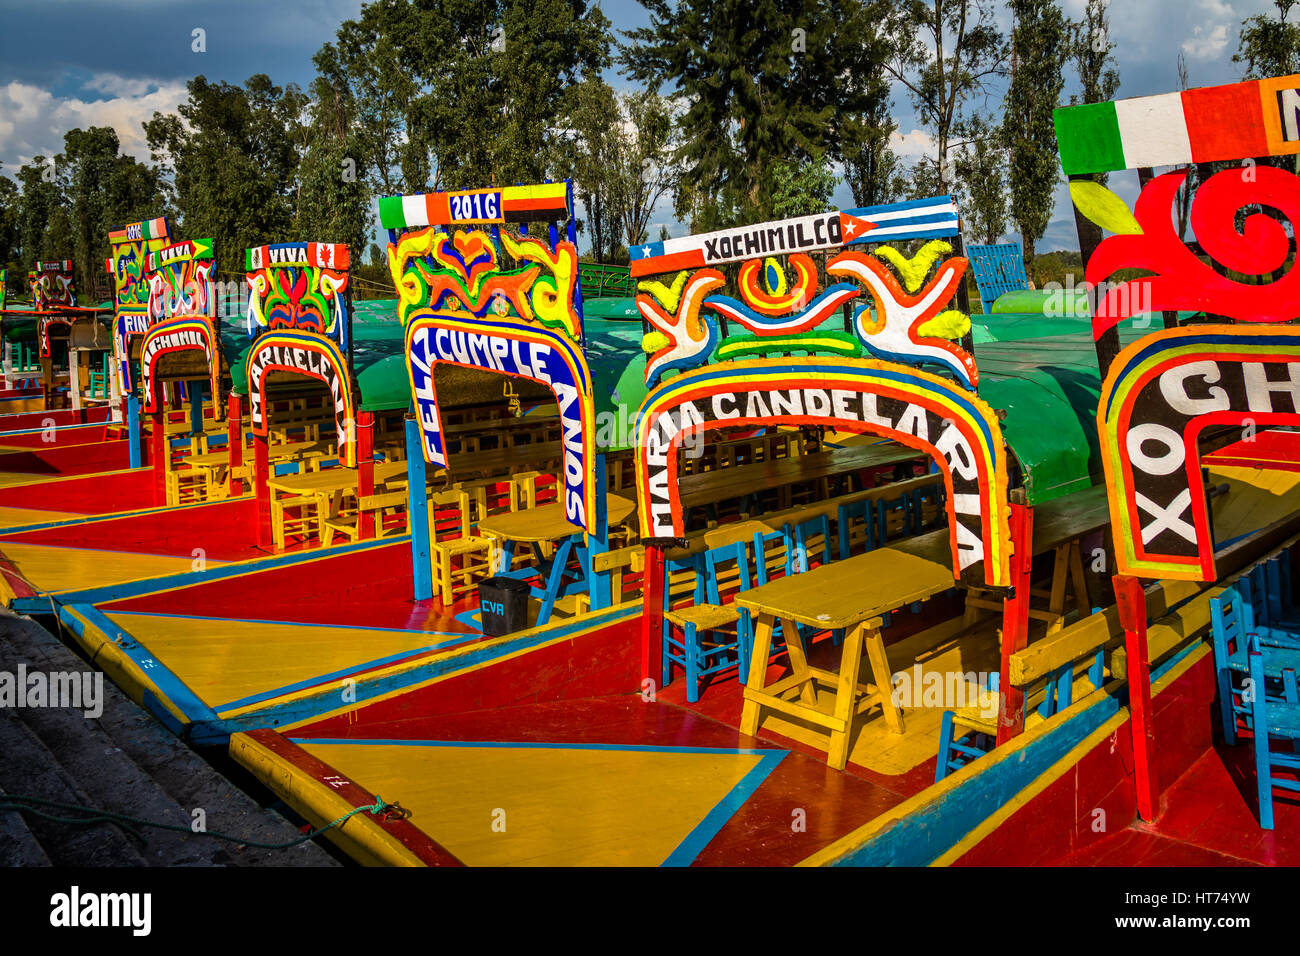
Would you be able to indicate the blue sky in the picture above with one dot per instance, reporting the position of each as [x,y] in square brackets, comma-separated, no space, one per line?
[68,63]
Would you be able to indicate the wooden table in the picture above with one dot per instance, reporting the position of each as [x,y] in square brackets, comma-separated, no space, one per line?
[323,487]
[543,525]
[739,481]
[847,595]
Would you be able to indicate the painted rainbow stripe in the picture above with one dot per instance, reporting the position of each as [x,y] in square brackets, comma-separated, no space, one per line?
[538,203]
[345,414]
[1136,368]
[975,420]
[1209,124]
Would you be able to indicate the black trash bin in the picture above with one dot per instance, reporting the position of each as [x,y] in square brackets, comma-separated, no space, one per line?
[504,604]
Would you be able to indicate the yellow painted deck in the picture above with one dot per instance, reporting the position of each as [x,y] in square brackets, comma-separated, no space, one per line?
[228,662]
[51,570]
[503,805]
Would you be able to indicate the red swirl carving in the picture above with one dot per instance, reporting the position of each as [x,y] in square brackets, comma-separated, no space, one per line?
[1181,280]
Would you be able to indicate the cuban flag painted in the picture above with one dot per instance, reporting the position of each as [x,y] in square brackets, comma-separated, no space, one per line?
[933,218]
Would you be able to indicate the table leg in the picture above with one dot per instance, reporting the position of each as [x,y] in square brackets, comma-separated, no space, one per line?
[757,673]
[799,661]
[553,580]
[846,692]
[882,677]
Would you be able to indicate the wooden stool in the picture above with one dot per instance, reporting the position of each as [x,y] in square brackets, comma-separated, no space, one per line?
[283,525]
[805,678]
[185,486]
[475,559]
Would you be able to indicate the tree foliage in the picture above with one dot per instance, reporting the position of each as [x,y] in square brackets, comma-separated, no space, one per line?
[1039,48]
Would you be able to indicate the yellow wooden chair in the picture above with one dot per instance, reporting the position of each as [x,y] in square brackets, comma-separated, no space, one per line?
[381,506]
[459,564]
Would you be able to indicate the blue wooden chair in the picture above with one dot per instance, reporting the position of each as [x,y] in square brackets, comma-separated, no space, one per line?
[807,545]
[847,516]
[1276,717]
[1232,621]
[706,646]
[998,268]
[978,733]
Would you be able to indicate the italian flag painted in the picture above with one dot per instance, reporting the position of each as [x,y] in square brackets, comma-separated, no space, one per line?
[1210,124]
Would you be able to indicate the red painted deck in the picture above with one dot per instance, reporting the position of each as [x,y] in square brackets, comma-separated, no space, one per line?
[1208,818]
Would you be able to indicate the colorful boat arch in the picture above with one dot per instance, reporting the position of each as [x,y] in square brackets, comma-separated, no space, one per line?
[170,338]
[1163,390]
[462,307]
[304,353]
[533,353]
[129,248]
[182,317]
[921,410]
[1160,392]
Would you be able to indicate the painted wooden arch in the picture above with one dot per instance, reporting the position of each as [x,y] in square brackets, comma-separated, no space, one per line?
[172,338]
[924,411]
[522,351]
[315,356]
[1163,390]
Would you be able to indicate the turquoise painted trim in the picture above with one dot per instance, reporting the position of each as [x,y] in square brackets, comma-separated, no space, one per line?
[335,627]
[689,849]
[129,589]
[922,836]
[325,701]
[172,687]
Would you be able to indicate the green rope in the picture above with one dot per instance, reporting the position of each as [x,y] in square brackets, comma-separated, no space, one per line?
[23,804]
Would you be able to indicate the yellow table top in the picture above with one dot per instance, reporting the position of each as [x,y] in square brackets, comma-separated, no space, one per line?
[844,593]
[547,522]
[331,479]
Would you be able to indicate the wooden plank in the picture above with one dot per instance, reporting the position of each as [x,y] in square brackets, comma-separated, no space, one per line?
[1169,632]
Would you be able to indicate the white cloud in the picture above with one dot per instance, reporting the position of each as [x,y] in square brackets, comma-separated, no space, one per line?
[913,145]
[1206,44]
[33,121]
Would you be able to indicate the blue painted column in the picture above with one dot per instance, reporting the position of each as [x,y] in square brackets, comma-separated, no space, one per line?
[417,510]
[195,390]
[133,429]
[598,543]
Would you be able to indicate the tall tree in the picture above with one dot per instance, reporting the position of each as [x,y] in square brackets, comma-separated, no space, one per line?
[947,51]
[333,202]
[803,189]
[1098,73]
[1269,46]
[1039,47]
[233,156]
[582,149]
[762,82]
[645,167]
[872,169]
[982,182]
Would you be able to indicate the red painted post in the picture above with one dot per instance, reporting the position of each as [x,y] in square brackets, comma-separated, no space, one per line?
[234,443]
[160,453]
[1015,622]
[365,471]
[652,617]
[1130,599]
[261,475]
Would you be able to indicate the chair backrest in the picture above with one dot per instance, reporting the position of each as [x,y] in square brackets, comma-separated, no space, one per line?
[718,562]
[771,550]
[806,544]
[1228,627]
[998,268]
